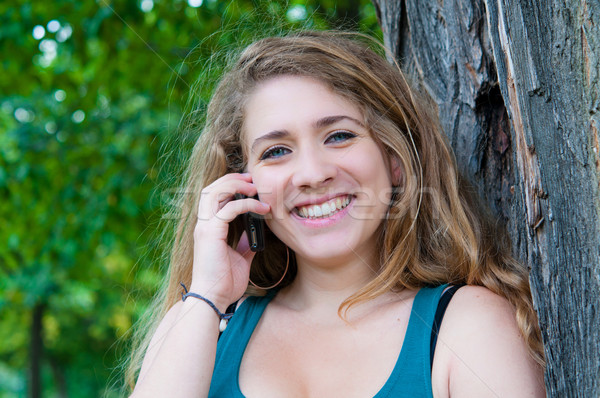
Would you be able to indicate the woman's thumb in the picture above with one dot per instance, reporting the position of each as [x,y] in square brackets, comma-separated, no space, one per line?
[243,248]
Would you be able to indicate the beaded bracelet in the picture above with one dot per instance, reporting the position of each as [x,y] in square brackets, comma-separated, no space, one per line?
[223,317]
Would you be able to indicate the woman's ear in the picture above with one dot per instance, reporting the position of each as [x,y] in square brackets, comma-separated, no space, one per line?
[397,170]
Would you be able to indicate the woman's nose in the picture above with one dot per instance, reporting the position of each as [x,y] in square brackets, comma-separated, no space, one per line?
[313,169]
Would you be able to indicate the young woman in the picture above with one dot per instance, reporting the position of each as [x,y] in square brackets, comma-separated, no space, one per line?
[367,226]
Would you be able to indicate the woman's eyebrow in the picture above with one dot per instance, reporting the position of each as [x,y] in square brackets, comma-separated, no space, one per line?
[329,120]
[273,135]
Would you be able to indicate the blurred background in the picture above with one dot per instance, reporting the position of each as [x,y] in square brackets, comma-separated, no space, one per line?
[91,98]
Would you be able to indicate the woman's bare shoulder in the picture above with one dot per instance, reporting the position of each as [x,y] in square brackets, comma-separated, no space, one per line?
[480,350]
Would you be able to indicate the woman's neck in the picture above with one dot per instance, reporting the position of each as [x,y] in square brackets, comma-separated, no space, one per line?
[321,286]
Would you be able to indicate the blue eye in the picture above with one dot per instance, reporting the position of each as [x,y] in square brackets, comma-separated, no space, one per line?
[340,136]
[274,152]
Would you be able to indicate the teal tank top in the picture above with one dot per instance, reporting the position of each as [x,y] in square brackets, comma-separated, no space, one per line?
[411,376]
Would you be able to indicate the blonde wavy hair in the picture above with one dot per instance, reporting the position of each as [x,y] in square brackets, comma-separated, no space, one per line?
[436,231]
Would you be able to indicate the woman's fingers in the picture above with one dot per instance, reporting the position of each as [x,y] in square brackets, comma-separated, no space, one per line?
[236,207]
[218,226]
[215,196]
[217,206]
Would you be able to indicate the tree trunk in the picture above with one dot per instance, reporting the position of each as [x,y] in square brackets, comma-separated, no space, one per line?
[537,160]
[35,381]
[59,378]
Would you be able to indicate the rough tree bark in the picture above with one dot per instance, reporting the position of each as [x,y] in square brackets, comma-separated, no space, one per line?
[536,159]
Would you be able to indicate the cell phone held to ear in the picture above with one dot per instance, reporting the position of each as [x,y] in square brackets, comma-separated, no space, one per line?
[254,226]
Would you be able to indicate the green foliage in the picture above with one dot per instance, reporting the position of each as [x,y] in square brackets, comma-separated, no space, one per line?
[89,112]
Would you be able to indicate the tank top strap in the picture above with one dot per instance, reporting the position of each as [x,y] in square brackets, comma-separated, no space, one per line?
[411,376]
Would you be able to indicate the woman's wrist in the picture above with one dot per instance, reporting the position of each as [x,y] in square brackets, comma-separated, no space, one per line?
[222,316]
[209,292]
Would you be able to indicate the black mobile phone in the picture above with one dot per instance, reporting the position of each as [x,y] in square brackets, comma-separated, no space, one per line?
[254,226]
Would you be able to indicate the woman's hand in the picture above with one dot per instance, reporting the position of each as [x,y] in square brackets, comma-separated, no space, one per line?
[220,272]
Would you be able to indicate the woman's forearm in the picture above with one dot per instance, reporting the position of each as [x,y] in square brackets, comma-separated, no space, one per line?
[181,355]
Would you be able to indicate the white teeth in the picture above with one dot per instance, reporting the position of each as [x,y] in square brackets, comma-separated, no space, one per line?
[324,210]
[318,211]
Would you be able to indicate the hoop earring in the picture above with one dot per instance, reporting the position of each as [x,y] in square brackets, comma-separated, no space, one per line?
[287,264]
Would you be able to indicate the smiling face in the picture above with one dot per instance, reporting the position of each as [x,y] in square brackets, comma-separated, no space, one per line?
[313,160]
